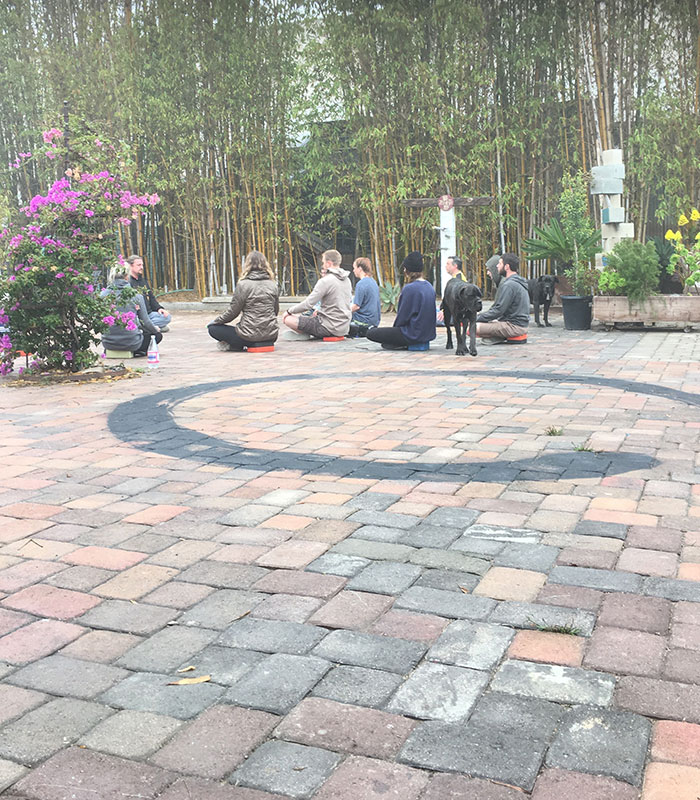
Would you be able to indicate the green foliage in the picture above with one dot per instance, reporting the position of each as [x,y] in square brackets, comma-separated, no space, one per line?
[389,296]
[49,296]
[632,269]
[685,260]
[664,250]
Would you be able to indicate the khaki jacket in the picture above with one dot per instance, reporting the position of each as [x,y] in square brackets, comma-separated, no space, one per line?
[256,299]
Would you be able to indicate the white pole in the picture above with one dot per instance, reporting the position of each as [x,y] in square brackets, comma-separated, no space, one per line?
[448,243]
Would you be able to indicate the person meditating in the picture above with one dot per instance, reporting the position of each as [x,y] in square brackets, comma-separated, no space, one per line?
[366,307]
[130,328]
[415,315]
[334,292]
[256,299]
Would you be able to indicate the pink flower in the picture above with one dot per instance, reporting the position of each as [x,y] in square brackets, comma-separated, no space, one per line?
[60,274]
[68,355]
[51,134]
[50,155]
[89,213]
[98,143]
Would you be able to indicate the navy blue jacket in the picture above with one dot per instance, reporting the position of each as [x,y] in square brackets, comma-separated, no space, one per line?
[416,314]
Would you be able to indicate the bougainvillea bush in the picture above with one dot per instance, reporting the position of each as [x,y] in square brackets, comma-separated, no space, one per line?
[49,300]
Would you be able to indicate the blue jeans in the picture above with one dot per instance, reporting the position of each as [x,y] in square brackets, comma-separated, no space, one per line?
[158,319]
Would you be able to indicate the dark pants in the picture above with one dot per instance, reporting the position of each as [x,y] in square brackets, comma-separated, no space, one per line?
[143,349]
[390,336]
[228,334]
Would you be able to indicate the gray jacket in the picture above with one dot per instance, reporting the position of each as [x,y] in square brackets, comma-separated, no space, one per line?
[117,337]
[256,299]
[334,291]
[512,303]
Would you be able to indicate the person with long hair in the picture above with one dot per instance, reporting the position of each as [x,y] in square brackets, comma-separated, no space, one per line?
[415,314]
[256,299]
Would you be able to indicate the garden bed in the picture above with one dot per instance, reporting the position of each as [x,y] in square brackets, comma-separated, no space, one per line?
[53,377]
[682,310]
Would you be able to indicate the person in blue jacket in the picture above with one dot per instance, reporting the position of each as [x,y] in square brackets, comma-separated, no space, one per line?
[416,313]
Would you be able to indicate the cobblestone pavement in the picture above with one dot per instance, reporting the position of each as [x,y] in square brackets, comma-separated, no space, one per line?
[408,575]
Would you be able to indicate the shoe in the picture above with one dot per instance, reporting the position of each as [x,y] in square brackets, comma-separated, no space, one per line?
[492,341]
[139,355]
[225,346]
[164,328]
[392,347]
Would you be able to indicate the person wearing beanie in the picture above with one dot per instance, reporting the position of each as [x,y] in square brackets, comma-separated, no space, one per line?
[416,313]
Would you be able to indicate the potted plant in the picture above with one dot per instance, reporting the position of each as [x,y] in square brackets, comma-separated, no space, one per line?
[573,243]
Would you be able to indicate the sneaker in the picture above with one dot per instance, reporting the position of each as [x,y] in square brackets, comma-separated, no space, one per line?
[386,346]
[225,346]
[164,328]
[492,341]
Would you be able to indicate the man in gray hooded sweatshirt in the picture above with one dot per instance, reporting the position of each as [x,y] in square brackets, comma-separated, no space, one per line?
[510,313]
[334,291]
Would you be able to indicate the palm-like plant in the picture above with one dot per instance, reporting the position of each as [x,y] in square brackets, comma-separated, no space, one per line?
[551,241]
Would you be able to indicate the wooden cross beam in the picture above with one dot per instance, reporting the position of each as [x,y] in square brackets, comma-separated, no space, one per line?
[429,202]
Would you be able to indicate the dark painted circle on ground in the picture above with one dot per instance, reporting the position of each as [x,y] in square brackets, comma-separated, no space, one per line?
[147,423]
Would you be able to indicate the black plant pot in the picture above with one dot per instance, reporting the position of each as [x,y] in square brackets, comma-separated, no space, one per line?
[578,311]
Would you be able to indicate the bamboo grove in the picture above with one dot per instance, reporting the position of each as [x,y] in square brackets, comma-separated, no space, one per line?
[291,125]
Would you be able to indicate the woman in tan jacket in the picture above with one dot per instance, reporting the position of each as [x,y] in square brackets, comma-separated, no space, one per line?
[256,299]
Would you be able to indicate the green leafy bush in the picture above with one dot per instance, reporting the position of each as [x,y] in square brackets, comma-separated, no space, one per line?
[574,241]
[389,296]
[632,269]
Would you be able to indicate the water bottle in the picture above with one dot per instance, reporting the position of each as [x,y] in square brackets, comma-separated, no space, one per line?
[153,353]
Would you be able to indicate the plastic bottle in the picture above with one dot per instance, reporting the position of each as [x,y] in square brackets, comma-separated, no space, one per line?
[153,353]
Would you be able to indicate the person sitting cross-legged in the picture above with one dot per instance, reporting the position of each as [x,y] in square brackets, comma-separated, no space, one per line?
[256,299]
[334,292]
[130,328]
[156,313]
[509,315]
[415,315]
[366,307]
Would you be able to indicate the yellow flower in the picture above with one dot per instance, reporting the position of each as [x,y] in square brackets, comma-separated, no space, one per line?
[678,236]
[683,220]
[669,235]
[695,215]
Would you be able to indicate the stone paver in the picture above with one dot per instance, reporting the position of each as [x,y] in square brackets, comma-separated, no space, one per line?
[149,691]
[70,677]
[131,734]
[437,691]
[48,729]
[601,742]
[345,728]
[216,742]
[358,685]
[563,684]
[554,784]
[398,587]
[287,768]
[277,683]
[77,773]
[371,779]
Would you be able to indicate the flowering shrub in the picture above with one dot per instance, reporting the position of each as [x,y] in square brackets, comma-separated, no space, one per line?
[48,297]
[686,259]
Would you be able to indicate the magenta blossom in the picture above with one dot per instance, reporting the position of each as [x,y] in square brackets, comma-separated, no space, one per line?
[89,212]
[68,355]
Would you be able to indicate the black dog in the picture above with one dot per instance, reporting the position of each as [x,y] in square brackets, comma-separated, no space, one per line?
[461,302]
[541,291]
